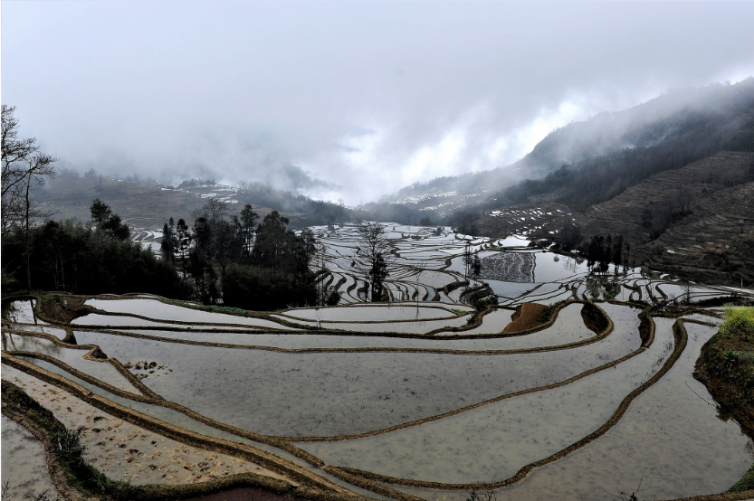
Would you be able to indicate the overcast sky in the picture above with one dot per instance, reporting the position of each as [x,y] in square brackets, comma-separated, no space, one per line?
[371,96]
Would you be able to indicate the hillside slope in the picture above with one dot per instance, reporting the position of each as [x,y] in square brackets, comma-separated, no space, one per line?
[699,121]
[698,219]
[717,247]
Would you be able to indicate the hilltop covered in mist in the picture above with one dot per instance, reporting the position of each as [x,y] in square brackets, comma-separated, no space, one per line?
[680,125]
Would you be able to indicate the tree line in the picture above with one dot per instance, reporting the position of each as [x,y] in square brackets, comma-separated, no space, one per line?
[257,266]
[250,264]
[87,258]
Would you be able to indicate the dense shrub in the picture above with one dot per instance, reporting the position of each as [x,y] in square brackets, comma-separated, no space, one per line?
[75,258]
[254,288]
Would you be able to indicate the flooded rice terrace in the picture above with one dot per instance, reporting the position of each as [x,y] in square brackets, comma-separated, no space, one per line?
[560,391]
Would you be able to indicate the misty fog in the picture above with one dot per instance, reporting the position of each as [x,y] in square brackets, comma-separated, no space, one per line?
[343,100]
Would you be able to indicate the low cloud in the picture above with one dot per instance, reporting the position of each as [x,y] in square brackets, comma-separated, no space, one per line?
[367,97]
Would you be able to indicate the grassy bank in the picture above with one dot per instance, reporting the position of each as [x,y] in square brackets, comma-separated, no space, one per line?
[726,367]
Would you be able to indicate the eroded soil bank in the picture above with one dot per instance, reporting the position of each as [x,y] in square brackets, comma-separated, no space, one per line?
[126,452]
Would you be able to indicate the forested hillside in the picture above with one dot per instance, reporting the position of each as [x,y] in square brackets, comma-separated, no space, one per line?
[148,205]
[592,161]
[678,189]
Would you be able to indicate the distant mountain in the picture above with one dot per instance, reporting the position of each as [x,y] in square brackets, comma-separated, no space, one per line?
[690,122]
[674,177]
[148,205]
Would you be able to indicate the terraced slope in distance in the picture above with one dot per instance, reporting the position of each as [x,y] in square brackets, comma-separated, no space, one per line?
[679,190]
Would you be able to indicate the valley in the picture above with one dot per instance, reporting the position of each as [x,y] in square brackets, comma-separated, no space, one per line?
[536,375]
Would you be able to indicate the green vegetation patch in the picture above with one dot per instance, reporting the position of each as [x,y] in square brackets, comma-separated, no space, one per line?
[214,308]
[62,308]
[739,323]
[746,483]
[726,367]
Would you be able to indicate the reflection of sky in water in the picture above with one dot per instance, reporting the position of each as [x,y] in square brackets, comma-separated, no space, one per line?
[44,329]
[17,342]
[168,312]
[369,313]
[24,466]
[509,289]
[21,312]
[551,267]
[670,440]
[493,442]
[334,393]
[513,241]
[103,371]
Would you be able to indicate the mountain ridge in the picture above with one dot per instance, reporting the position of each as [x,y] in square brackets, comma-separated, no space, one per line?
[643,126]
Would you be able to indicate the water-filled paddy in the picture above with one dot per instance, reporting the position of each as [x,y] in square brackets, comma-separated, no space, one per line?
[95,320]
[510,289]
[406,327]
[44,329]
[551,267]
[21,312]
[166,313]
[569,328]
[493,442]
[670,437]
[369,313]
[345,393]
[24,466]
[475,429]
[176,418]
[73,357]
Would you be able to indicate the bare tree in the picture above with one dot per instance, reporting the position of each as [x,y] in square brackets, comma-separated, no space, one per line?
[682,201]
[213,211]
[374,257]
[476,267]
[22,164]
[419,268]
[468,259]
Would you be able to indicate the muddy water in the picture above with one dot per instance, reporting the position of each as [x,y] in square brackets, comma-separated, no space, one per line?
[568,328]
[679,444]
[181,420]
[123,451]
[369,313]
[45,329]
[101,370]
[24,464]
[241,494]
[169,312]
[345,393]
[420,327]
[94,320]
[493,442]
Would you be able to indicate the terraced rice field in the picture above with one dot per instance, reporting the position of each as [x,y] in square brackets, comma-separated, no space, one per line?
[417,398]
